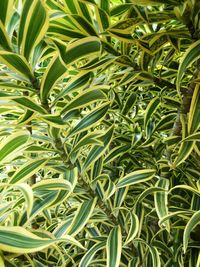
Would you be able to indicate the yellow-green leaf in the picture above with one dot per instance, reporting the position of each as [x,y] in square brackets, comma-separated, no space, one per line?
[82,216]
[79,49]
[18,240]
[11,146]
[33,26]
[194,113]
[114,247]
[161,201]
[87,258]
[190,56]
[194,220]
[17,63]
[53,73]
[27,170]
[135,177]
[91,119]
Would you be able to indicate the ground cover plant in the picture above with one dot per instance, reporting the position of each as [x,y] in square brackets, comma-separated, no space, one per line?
[99,133]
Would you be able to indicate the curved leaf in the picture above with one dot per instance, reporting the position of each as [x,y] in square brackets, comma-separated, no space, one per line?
[18,240]
[33,26]
[114,247]
[136,177]
[194,220]
[190,56]
[53,73]
[12,145]
[82,216]
[87,258]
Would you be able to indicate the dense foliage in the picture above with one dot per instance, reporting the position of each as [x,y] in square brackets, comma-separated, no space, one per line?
[99,139]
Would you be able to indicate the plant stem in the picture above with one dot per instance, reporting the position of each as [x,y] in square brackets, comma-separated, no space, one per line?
[102,205]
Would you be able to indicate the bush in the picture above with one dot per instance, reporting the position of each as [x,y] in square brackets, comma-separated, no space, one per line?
[100,116]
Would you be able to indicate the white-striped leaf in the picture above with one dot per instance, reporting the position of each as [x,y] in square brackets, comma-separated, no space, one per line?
[91,119]
[135,177]
[11,146]
[6,7]
[151,108]
[79,49]
[190,56]
[4,38]
[194,113]
[114,247]
[83,99]
[27,170]
[28,195]
[33,26]
[17,64]
[97,151]
[19,240]
[134,228]
[82,216]
[161,201]
[53,73]
[194,220]
[87,258]
[53,185]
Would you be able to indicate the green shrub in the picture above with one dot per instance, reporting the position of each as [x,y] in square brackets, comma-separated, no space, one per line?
[99,139]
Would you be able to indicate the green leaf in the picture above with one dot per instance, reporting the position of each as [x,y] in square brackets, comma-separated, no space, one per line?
[154,2]
[82,24]
[97,151]
[116,152]
[83,99]
[6,8]
[79,49]
[87,258]
[4,38]
[134,228]
[148,191]
[191,55]
[17,63]
[81,217]
[161,201]
[194,220]
[33,26]
[12,86]
[114,247]
[151,108]
[54,120]
[102,18]
[19,240]
[79,82]
[91,119]
[27,170]
[135,177]
[97,63]
[185,187]
[183,153]
[130,102]
[28,103]
[28,195]
[192,137]
[53,73]
[43,200]
[52,185]
[154,253]
[88,139]
[194,113]
[11,146]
